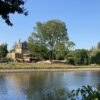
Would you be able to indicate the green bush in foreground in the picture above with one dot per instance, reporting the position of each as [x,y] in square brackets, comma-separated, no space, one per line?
[86,93]
[83,93]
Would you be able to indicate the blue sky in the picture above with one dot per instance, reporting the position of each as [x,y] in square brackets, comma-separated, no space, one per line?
[82,18]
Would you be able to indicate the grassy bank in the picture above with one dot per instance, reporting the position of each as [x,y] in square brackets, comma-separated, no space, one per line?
[41,66]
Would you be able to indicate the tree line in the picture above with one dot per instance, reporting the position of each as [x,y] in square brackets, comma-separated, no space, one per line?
[49,41]
[85,57]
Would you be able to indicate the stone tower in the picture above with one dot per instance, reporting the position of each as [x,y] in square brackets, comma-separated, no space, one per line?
[18,47]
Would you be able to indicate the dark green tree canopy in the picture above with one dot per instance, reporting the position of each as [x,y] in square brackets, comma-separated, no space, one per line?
[10,7]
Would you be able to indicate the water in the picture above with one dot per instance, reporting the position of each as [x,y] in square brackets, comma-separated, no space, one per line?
[29,86]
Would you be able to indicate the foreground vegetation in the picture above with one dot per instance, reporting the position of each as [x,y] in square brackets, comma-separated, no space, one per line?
[83,93]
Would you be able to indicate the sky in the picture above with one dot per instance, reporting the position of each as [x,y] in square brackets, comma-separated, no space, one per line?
[82,18]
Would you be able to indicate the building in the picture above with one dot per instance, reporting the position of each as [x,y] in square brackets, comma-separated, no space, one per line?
[20,53]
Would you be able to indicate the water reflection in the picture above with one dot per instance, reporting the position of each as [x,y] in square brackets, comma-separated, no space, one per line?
[35,86]
[3,89]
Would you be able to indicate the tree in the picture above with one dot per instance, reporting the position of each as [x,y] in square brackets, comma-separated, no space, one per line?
[70,57]
[37,49]
[95,56]
[10,7]
[78,57]
[61,50]
[81,57]
[3,50]
[54,32]
[30,44]
[98,45]
[51,34]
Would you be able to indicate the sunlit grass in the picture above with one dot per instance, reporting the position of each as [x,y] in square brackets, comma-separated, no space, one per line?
[42,66]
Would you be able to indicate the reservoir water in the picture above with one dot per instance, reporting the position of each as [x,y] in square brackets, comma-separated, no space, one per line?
[29,86]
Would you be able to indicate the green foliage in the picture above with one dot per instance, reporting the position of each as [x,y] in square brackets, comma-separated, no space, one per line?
[86,93]
[60,51]
[70,45]
[37,49]
[95,56]
[78,57]
[52,35]
[54,32]
[81,57]
[83,93]
[3,50]
[70,57]
[5,60]
[98,45]
[71,60]
[10,7]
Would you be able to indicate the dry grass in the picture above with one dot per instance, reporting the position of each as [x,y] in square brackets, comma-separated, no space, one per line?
[41,66]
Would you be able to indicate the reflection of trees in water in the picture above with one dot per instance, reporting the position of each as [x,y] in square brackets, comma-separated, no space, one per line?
[54,80]
[28,84]
[43,83]
[36,84]
[55,88]
[3,88]
[56,94]
[38,89]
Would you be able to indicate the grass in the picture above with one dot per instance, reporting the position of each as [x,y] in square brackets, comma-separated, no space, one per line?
[42,66]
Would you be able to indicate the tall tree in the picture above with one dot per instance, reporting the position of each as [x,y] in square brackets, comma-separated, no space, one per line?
[10,7]
[51,33]
[3,50]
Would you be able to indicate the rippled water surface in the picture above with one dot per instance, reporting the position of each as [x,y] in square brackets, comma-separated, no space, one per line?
[29,86]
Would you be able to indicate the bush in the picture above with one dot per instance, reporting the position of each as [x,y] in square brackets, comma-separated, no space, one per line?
[3,60]
[71,60]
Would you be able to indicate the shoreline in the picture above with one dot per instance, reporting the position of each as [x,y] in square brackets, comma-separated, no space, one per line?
[34,67]
[48,70]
